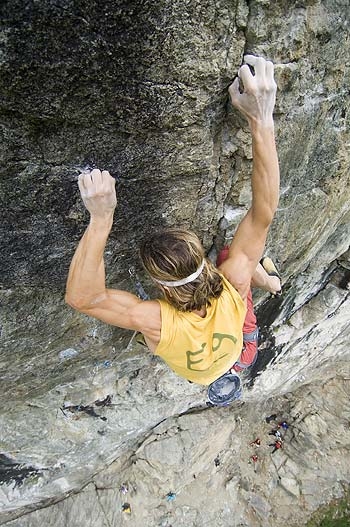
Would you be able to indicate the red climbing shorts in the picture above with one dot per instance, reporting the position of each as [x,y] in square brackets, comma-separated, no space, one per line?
[250,329]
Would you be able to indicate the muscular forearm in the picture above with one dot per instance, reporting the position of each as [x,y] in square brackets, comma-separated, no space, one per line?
[253,93]
[256,101]
[86,278]
[265,177]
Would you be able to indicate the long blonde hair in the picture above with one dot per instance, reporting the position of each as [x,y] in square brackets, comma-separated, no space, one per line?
[173,254]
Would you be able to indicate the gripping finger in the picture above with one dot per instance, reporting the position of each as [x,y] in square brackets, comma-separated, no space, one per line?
[252,60]
[106,176]
[247,77]
[260,68]
[259,64]
[81,182]
[107,179]
[96,176]
[234,90]
[269,70]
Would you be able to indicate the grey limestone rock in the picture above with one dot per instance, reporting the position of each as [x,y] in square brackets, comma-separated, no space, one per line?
[140,88]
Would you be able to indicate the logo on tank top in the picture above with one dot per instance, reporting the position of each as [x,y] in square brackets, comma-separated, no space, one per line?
[194,358]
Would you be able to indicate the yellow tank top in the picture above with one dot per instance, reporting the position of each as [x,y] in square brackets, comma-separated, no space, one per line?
[202,349]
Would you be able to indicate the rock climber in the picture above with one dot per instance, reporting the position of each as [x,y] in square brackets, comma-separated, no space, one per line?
[277,445]
[196,328]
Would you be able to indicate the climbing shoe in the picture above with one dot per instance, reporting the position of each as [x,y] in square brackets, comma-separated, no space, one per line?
[271,270]
[140,339]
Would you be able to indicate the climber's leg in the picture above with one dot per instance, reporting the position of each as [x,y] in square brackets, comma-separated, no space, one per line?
[250,338]
[266,276]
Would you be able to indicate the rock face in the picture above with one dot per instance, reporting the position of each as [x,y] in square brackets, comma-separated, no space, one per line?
[140,88]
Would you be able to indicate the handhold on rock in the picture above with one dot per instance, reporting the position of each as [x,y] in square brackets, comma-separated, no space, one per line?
[217,461]
[254,458]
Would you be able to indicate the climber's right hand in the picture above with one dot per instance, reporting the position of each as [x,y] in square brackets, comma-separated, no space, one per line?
[97,190]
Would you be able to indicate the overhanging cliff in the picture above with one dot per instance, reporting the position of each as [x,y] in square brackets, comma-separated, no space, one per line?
[140,88]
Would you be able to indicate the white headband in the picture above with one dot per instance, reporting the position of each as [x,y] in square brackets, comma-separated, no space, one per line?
[183,281]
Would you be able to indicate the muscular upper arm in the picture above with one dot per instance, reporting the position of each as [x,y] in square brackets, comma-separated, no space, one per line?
[244,254]
[125,310]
